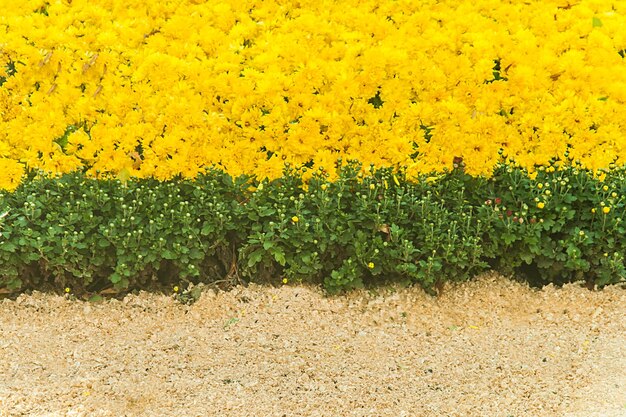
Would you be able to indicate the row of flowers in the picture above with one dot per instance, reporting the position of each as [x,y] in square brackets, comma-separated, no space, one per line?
[163,88]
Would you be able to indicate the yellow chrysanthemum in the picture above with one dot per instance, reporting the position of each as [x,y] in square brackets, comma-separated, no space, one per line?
[11,173]
[162,89]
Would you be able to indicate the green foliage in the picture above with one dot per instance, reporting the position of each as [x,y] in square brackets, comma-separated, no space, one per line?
[92,235]
[571,237]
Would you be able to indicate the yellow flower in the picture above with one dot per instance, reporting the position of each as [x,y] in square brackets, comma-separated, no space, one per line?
[324,187]
[176,288]
[372,187]
[295,219]
[11,173]
[285,280]
[140,81]
[605,188]
[67,290]
[606,209]
[541,205]
[593,210]
[370,265]
[540,186]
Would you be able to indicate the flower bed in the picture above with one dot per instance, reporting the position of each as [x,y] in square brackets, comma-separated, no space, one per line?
[208,140]
[165,88]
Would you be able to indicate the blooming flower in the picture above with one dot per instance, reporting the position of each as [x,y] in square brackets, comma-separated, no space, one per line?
[356,91]
[541,205]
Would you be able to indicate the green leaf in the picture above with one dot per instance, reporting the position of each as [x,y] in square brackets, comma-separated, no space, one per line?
[122,284]
[266,211]
[195,293]
[207,229]
[14,284]
[255,257]
[527,257]
[597,23]
[8,247]
[95,298]
[195,253]
[279,255]
[509,238]
[168,254]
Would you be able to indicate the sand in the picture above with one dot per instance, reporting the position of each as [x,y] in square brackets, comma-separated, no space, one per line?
[489,347]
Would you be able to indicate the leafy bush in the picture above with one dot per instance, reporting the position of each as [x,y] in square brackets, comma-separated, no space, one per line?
[561,224]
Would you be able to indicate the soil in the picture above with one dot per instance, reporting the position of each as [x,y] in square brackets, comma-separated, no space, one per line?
[489,347]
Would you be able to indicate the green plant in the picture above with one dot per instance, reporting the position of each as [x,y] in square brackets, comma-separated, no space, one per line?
[560,224]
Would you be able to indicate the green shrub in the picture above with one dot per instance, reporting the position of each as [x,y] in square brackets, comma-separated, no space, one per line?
[89,235]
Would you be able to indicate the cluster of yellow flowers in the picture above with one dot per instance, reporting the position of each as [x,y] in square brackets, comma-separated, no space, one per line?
[163,88]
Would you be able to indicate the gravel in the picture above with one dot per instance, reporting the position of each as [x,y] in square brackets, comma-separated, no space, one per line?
[489,347]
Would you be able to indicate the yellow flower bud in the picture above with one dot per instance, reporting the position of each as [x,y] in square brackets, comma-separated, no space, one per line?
[606,209]
[541,205]
[295,219]
[370,265]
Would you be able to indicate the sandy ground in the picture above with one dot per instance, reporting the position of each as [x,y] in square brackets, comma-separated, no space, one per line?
[491,347]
